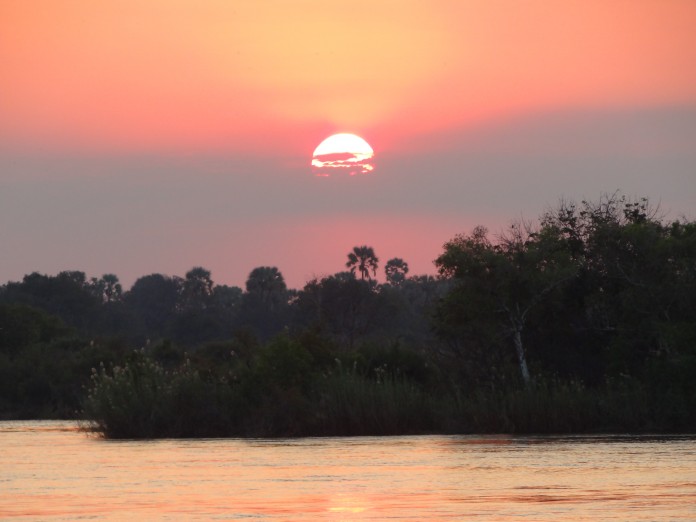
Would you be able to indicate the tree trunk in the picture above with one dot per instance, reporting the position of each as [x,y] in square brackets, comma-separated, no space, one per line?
[521,357]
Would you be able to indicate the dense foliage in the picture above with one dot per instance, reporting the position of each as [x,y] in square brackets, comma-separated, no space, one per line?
[584,321]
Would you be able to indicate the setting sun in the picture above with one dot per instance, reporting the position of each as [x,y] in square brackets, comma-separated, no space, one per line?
[334,256]
[343,153]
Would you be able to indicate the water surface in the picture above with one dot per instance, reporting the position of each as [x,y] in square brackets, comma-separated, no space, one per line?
[52,471]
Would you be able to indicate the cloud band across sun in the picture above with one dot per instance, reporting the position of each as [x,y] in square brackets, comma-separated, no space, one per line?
[343,154]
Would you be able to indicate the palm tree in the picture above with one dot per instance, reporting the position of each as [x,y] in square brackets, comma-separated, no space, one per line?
[268,284]
[396,270]
[363,258]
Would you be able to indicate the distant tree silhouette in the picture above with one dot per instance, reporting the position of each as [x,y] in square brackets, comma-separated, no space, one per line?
[267,284]
[154,299]
[227,298]
[107,288]
[344,307]
[364,260]
[198,287]
[396,270]
[265,304]
[67,295]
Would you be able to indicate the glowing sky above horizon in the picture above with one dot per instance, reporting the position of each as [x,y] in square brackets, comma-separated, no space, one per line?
[154,136]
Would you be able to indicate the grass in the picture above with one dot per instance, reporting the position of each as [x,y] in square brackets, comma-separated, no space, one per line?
[141,399]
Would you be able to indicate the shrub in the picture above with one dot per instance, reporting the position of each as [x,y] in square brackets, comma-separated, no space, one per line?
[143,400]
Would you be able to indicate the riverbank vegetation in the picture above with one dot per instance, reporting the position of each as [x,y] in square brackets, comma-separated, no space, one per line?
[583,321]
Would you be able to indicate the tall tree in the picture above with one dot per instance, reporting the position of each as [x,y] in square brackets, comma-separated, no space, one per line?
[638,273]
[363,260]
[198,287]
[154,299]
[265,303]
[500,284]
[395,270]
[107,288]
[67,295]
[346,308]
[267,283]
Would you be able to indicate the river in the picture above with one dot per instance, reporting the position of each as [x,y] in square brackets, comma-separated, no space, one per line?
[52,471]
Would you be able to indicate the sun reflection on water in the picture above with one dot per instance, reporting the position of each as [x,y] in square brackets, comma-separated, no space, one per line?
[435,478]
[347,505]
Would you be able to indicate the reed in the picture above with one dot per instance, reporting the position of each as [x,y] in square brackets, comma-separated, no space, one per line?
[570,407]
[350,404]
[141,399]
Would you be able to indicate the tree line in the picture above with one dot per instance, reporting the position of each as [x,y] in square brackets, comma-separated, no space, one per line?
[193,309]
[591,307]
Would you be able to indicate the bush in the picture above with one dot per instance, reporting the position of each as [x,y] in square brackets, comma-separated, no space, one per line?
[283,391]
[143,400]
[350,404]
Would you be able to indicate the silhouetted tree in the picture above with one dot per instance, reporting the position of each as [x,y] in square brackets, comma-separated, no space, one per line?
[268,285]
[265,303]
[198,287]
[395,271]
[346,308]
[638,274]
[155,301]
[364,260]
[107,288]
[67,295]
[227,299]
[500,284]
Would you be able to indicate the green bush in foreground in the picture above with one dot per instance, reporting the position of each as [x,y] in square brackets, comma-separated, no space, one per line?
[281,391]
[142,400]
[560,407]
[279,396]
[350,404]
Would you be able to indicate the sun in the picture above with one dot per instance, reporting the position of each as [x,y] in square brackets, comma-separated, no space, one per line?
[343,153]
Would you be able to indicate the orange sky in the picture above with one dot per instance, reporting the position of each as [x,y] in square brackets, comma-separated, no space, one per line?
[141,136]
[170,75]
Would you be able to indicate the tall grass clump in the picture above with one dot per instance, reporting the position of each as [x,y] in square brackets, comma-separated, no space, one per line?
[143,400]
[538,408]
[547,407]
[352,404]
[281,391]
[285,389]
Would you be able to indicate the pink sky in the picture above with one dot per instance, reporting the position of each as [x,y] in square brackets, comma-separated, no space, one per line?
[152,136]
